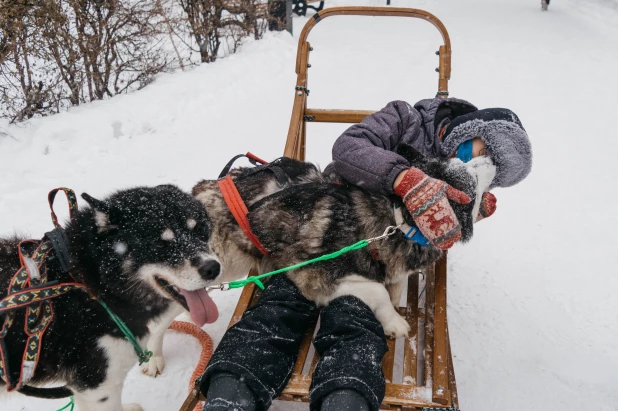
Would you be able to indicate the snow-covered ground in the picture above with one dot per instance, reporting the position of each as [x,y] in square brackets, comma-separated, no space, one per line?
[533,313]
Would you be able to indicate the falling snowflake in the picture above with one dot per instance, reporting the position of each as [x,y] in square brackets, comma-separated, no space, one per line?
[120,248]
[191,223]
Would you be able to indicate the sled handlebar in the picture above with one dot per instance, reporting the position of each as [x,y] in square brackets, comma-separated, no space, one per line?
[444,53]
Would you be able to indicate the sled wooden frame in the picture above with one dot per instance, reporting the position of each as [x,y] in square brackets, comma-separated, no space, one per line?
[438,388]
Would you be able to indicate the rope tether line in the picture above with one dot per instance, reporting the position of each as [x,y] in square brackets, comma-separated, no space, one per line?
[390,230]
[143,355]
[70,406]
[207,349]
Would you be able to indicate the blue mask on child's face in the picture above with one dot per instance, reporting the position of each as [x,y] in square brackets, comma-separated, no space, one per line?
[464,152]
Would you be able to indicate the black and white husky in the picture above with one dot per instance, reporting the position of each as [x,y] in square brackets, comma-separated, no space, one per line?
[145,253]
[311,214]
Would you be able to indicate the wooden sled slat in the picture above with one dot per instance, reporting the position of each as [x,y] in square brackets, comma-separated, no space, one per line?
[314,362]
[429,326]
[243,302]
[303,352]
[441,392]
[336,116]
[410,347]
[388,362]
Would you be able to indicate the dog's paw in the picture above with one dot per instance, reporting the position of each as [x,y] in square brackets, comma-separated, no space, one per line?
[396,327]
[154,367]
[132,407]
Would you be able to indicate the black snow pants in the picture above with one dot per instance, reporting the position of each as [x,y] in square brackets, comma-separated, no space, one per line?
[262,347]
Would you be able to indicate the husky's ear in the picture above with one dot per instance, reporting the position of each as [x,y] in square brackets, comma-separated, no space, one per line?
[95,204]
[101,212]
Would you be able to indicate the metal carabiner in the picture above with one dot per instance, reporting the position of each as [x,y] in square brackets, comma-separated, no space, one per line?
[390,230]
[221,287]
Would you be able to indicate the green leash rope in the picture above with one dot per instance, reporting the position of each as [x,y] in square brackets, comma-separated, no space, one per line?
[69,406]
[143,355]
[256,279]
[390,230]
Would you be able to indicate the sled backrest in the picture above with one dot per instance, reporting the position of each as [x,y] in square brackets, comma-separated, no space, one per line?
[428,379]
[295,143]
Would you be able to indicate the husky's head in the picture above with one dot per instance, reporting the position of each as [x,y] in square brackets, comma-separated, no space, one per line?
[473,178]
[157,238]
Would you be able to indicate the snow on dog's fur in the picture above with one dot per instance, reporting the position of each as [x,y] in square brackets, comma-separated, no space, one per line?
[313,214]
[144,252]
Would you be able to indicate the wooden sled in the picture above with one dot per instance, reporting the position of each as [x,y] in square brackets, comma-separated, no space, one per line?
[428,378]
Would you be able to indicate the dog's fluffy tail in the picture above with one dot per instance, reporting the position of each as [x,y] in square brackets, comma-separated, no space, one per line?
[47,393]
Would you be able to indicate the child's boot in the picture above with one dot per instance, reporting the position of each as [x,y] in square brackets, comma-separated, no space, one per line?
[344,400]
[228,393]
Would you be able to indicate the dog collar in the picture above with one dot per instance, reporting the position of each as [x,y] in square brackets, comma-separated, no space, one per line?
[409,232]
[464,152]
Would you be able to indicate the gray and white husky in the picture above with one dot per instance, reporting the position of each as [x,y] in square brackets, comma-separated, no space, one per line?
[309,214]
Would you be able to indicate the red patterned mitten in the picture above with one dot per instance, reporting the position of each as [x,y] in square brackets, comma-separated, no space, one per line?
[487,207]
[426,199]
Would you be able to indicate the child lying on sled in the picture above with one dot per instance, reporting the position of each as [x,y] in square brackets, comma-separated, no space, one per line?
[254,360]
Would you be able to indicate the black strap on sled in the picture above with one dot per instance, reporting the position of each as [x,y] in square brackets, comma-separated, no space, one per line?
[234,200]
[253,159]
[282,178]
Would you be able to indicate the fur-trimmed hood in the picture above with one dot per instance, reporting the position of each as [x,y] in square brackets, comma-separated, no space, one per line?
[505,138]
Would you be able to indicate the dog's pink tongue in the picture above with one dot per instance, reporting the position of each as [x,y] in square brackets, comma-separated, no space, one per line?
[202,308]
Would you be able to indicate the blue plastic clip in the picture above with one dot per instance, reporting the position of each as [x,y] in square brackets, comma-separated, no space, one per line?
[414,234]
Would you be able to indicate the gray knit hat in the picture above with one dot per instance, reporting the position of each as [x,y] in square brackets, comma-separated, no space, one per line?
[505,139]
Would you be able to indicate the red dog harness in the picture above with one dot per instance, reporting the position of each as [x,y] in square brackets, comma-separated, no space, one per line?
[236,204]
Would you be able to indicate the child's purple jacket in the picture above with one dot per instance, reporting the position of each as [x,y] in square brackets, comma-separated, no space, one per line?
[365,154]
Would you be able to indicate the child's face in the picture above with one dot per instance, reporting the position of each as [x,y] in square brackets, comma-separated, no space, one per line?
[478,147]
